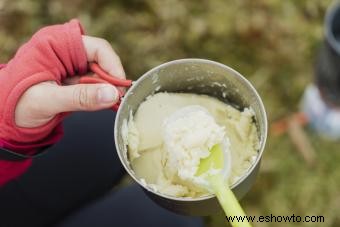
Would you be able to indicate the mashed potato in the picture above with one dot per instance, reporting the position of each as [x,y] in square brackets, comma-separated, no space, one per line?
[150,139]
[189,134]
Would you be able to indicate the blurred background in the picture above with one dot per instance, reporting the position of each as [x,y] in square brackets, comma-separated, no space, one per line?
[272,42]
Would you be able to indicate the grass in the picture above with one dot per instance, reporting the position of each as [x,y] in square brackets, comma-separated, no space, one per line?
[272,42]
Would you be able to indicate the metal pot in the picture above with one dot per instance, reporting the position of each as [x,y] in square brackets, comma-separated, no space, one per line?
[202,77]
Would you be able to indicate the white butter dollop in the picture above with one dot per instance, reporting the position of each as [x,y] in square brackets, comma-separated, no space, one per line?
[189,134]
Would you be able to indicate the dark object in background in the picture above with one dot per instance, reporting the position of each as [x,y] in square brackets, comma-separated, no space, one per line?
[327,70]
[321,101]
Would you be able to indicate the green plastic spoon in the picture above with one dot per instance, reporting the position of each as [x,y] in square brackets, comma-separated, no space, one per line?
[224,194]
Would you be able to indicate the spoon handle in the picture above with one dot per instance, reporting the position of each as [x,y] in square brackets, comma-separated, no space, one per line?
[228,201]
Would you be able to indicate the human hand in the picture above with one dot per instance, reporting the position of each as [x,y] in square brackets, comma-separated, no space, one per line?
[41,102]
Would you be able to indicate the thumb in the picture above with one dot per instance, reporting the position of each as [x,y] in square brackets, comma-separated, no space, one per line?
[87,97]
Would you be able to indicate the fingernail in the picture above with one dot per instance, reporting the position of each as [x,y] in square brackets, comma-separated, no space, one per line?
[106,94]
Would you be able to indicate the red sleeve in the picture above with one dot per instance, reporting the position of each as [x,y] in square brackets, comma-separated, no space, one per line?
[53,53]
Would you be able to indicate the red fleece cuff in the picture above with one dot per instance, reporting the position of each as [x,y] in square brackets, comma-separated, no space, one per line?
[31,148]
[12,170]
[53,53]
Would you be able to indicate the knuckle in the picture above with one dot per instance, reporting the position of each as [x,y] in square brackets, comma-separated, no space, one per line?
[80,97]
[104,43]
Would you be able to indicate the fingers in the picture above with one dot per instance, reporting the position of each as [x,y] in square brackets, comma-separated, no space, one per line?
[41,102]
[87,97]
[100,51]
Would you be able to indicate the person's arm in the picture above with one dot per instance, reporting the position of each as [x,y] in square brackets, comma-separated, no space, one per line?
[33,95]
